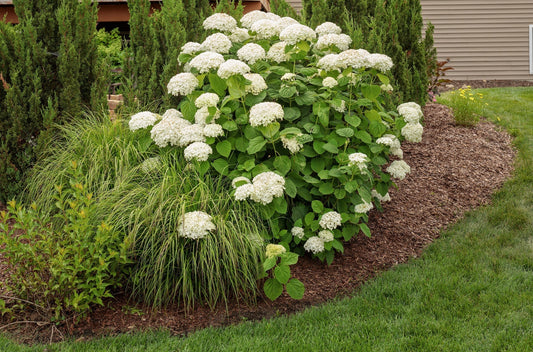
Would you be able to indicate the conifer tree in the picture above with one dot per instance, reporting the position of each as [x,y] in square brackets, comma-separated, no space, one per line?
[283,9]
[47,72]
[233,8]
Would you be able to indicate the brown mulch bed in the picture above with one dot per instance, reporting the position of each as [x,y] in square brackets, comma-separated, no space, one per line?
[453,170]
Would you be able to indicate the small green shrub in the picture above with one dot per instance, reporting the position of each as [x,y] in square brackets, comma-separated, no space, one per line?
[62,269]
[280,273]
[467,106]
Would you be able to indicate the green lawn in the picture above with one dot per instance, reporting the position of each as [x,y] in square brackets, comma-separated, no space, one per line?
[472,290]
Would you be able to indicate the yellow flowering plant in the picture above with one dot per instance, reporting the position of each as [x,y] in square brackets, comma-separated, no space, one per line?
[467,105]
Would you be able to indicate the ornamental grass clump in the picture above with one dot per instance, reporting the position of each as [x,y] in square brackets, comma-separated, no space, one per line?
[305,131]
[191,241]
[467,106]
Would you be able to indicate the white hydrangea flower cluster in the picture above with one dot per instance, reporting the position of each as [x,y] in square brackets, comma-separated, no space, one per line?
[207,100]
[326,235]
[220,22]
[363,208]
[191,48]
[151,164]
[273,250]
[328,28]
[258,83]
[168,130]
[142,120]
[358,159]
[264,188]
[314,245]
[341,41]
[239,181]
[391,141]
[411,113]
[291,144]
[296,33]
[207,61]
[355,58]
[329,82]
[385,198]
[285,22]
[399,169]
[265,29]
[213,130]
[251,53]
[277,53]
[218,43]
[263,114]
[232,67]
[239,35]
[253,16]
[190,134]
[182,84]
[380,62]
[330,220]
[195,225]
[331,62]
[198,151]
[297,231]
[288,77]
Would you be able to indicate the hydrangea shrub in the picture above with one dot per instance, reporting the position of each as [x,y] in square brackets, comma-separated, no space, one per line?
[296,119]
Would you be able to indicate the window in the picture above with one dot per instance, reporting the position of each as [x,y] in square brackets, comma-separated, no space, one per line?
[531,49]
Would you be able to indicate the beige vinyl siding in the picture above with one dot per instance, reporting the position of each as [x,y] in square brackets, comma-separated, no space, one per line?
[484,39]
[296,4]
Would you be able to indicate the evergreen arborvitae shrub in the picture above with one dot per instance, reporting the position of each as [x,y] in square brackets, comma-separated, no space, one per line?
[282,8]
[49,72]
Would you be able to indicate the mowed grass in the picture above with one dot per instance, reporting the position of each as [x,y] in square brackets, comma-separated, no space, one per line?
[472,290]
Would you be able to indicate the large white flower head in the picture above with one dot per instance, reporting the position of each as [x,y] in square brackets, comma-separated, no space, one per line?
[389,140]
[182,84]
[359,159]
[363,208]
[330,220]
[232,67]
[195,225]
[253,16]
[277,53]
[239,35]
[267,186]
[191,48]
[413,132]
[218,42]
[314,244]
[213,130]
[341,41]
[399,169]
[329,82]
[190,134]
[207,61]
[292,144]
[385,198]
[297,231]
[220,22]
[411,112]
[201,115]
[173,114]
[251,53]
[207,100]
[151,164]
[168,130]
[265,29]
[296,33]
[263,114]
[198,151]
[328,28]
[285,22]
[326,235]
[288,77]
[244,191]
[331,62]
[380,62]
[273,250]
[272,16]
[258,83]
[142,120]
[355,58]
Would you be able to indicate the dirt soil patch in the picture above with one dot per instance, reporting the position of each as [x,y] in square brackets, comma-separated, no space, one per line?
[453,170]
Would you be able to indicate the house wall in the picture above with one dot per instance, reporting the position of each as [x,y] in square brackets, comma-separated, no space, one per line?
[296,4]
[484,39]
